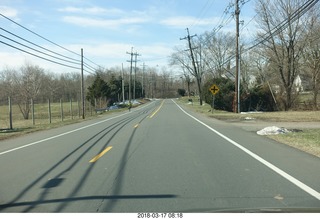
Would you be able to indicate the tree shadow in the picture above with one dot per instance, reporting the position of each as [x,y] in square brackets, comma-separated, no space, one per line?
[121,172]
[57,180]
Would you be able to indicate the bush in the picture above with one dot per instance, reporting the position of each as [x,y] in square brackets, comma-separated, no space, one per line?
[258,98]
[224,98]
[182,92]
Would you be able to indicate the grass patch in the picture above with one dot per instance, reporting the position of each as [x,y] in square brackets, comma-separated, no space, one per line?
[308,140]
[26,127]
[22,126]
[281,116]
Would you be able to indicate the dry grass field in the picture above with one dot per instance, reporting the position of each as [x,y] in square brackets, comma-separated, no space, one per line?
[68,114]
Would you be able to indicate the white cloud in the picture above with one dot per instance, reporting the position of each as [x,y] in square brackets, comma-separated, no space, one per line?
[110,54]
[8,60]
[103,23]
[92,10]
[186,21]
[104,53]
[9,12]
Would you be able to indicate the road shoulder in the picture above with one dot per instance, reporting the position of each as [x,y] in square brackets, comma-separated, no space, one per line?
[305,135]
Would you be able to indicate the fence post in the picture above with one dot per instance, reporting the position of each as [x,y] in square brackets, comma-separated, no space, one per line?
[90,108]
[49,110]
[10,113]
[71,108]
[79,110]
[61,110]
[32,112]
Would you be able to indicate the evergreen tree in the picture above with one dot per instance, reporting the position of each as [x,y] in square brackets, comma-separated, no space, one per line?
[98,90]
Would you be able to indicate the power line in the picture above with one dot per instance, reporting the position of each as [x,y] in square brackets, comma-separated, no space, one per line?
[92,62]
[70,60]
[224,20]
[37,45]
[280,27]
[39,56]
[37,50]
[203,11]
[39,35]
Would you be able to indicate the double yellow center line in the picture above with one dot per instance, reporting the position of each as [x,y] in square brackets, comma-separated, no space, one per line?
[155,112]
[98,156]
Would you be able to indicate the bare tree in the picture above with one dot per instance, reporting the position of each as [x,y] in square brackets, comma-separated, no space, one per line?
[6,79]
[217,50]
[26,85]
[283,48]
[311,55]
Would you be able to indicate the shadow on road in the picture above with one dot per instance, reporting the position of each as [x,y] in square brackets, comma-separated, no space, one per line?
[74,199]
[57,180]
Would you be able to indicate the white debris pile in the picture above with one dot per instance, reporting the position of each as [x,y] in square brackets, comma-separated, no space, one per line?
[272,130]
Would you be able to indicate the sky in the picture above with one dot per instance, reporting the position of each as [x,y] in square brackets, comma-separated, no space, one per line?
[107,30]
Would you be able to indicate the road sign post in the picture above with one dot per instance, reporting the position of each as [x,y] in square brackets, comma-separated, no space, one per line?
[214,89]
[212,107]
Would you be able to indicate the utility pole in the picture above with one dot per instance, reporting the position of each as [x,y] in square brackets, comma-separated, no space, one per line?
[135,74]
[122,82]
[196,73]
[130,75]
[237,78]
[82,87]
[135,70]
[143,70]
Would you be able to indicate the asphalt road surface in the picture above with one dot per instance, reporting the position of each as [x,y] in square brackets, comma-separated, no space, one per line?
[160,157]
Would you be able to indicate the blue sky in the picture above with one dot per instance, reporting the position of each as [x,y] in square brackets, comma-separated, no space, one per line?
[107,29]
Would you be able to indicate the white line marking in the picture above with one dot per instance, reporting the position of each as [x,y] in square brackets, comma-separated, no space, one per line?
[298,183]
[66,133]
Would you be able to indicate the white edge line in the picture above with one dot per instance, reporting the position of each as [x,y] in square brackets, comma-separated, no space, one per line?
[298,183]
[66,133]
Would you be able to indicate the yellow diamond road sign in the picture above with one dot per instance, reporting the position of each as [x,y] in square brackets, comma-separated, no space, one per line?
[214,89]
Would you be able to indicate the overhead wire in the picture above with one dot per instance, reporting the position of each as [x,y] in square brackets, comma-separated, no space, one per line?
[38,45]
[38,35]
[278,28]
[36,50]
[70,61]
[202,12]
[38,55]
[223,21]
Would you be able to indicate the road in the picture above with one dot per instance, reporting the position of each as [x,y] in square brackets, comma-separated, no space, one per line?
[160,157]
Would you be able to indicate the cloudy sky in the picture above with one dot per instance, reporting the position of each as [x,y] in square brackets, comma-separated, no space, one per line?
[107,29]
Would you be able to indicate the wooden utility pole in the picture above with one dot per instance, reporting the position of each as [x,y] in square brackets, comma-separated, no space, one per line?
[82,87]
[135,70]
[122,82]
[143,70]
[196,72]
[135,74]
[130,75]
[237,78]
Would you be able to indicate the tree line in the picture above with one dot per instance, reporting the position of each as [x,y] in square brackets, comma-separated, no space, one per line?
[102,89]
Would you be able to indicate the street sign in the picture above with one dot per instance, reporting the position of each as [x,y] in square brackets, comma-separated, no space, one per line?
[214,89]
